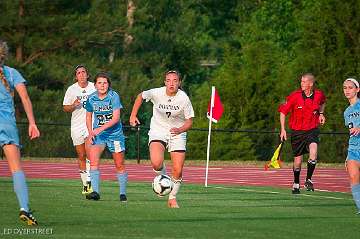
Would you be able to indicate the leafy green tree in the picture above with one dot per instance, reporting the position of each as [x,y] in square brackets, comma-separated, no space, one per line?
[252,51]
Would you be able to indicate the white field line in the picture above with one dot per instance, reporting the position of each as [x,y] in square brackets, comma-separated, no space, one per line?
[274,192]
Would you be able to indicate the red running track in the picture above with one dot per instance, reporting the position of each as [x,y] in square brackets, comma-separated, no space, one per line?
[335,180]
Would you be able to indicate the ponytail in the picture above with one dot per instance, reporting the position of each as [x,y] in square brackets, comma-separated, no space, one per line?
[4,81]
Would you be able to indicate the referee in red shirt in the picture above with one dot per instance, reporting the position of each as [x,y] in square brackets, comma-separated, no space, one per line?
[306,107]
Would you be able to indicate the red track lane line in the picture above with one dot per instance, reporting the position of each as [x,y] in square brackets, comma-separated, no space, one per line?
[325,179]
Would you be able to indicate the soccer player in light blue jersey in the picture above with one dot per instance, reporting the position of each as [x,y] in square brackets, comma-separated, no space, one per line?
[105,130]
[352,121]
[10,80]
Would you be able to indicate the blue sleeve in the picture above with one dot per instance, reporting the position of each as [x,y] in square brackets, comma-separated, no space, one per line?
[116,102]
[17,77]
[88,106]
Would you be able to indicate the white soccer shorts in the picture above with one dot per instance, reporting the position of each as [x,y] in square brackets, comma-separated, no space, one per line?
[78,136]
[173,142]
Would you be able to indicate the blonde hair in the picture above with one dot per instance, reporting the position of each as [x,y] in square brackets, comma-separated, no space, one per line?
[4,50]
[309,76]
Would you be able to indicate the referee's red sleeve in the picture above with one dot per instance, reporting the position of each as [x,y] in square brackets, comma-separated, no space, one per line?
[285,107]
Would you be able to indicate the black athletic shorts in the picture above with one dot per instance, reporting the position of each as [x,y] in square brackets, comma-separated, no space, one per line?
[300,140]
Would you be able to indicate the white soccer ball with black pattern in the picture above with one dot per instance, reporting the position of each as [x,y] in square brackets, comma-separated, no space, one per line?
[162,185]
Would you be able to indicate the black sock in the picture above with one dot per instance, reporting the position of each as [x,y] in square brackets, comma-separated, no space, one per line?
[296,175]
[310,168]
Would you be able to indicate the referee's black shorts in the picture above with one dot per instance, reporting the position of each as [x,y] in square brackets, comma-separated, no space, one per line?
[301,139]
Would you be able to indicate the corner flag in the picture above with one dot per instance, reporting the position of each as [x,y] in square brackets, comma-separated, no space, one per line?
[275,162]
[214,113]
[216,106]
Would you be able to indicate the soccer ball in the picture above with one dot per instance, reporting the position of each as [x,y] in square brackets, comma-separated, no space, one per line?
[162,185]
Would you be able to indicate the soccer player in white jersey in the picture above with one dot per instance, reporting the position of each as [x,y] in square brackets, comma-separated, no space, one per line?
[74,100]
[172,117]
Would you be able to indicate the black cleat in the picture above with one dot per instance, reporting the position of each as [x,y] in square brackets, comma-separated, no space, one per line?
[93,196]
[309,185]
[123,198]
[28,218]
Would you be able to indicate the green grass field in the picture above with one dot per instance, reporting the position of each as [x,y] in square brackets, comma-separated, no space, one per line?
[213,212]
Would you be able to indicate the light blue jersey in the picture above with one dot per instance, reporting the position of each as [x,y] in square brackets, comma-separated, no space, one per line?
[8,131]
[352,119]
[102,110]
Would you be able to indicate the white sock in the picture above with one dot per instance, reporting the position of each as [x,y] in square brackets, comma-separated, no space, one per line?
[162,171]
[296,185]
[176,188]
[84,177]
[88,170]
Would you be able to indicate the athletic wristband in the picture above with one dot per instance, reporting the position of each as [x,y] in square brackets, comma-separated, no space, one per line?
[321,113]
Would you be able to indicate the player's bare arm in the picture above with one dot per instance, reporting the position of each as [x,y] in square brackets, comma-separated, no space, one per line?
[283,135]
[89,116]
[322,118]
[354,131]
[114,120]
[133,117]
[72,107]
[33,131]
[187,125]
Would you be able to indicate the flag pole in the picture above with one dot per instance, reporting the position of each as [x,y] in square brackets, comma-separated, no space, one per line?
[209,135]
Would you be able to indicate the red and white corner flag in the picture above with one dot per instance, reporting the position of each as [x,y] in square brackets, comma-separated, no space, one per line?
[215,105]
[214,113]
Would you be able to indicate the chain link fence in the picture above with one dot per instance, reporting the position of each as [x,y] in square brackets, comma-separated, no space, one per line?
[226,144]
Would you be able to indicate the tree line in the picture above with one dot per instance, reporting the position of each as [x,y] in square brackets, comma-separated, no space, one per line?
[252,51]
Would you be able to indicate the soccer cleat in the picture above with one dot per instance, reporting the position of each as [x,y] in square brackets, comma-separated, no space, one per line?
[296,189]
[309,185]
[28,218]
[93,196]
[123,198]
[172,203]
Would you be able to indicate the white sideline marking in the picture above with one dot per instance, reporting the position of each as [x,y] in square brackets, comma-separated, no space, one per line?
[272,192]
[201,168]
[327,197]
[243,189]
